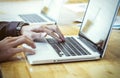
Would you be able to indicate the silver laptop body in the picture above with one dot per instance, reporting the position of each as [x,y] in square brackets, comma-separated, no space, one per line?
[93,37]
[47,14]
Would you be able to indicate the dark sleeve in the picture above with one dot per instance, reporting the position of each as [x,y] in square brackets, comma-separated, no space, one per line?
[8,29]
[1,74]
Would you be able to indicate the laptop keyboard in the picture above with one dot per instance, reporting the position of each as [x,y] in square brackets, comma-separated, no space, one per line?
[68,48]
[32,18]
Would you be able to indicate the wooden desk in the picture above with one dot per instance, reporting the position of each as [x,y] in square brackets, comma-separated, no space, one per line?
[108,67]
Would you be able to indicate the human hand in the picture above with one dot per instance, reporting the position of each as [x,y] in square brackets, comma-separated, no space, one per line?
[37,32]
[9,47]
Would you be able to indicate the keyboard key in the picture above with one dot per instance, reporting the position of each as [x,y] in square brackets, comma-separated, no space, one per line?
[70,47]
[32,18]
[62,48]
[80,47]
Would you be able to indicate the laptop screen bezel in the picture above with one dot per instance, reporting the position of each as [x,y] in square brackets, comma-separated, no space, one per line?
[101,50]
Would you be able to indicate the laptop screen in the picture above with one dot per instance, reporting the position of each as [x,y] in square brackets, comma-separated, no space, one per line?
[51,8]
[98,21]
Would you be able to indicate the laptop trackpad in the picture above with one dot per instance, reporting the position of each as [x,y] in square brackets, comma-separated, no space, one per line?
[43,51]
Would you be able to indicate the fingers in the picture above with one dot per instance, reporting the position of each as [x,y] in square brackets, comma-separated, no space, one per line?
[39,29]
[52,34]
[51,30]
[38,36]
[61,36]
[10,39]
[23,49]
[55,32]
[23,39]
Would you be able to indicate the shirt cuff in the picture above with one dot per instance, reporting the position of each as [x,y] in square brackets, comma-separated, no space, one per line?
[14,28]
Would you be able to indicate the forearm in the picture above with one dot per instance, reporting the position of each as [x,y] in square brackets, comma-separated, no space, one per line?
[10,29]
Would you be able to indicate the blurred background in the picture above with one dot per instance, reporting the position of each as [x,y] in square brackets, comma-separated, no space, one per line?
[71,12]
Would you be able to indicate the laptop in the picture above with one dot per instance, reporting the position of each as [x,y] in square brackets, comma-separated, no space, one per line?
[89,44]
[48,13]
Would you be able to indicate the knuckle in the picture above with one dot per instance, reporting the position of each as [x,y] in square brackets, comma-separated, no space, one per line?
[23,38]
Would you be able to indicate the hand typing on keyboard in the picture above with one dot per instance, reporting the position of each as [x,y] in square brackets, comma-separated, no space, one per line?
[37,32]
[9,44]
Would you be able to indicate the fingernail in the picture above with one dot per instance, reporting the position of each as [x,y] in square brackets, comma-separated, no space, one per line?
[34,46]
[60,40]
[30,53]
[33,51]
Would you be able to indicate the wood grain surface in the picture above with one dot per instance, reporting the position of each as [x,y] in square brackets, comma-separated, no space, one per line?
[107,67]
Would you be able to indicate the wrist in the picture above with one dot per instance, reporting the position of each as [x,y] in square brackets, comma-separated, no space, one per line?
[19,28]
